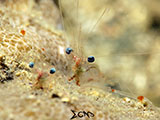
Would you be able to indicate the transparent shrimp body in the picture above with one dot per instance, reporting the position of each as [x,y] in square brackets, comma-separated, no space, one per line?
[81,68]
[125,53]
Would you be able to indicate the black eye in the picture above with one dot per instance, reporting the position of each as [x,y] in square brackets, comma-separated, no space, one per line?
[31,64]
[52,70]
[68,50]
[91,59]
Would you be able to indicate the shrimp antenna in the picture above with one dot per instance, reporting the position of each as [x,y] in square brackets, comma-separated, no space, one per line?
[65,21]
[98,20]
[130,54]
[61,15]
[79,30]
[79,26]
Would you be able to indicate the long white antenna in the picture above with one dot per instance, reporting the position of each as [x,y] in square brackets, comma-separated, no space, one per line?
[104,11]
[130,54]
[79,26]
[61,15]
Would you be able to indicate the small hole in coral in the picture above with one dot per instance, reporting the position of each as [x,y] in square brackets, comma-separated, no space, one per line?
[55,96]
[145,104]
[155,23]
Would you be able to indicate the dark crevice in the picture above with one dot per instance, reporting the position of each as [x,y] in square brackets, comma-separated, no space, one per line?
[37,1]
[5,73]
[56,2]
[55,96]
[155,23]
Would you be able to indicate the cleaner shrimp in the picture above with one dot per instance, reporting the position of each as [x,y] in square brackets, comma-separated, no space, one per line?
[127,59]
[122,68]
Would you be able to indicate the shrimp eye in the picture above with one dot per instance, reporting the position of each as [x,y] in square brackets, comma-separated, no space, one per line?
[52,70]
[91,59]
[31,64]
[69,50]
